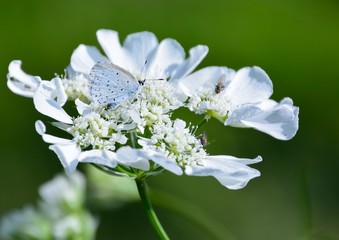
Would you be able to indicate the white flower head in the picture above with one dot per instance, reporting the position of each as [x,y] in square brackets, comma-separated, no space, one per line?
[128,129]
[240,99]
[60,214]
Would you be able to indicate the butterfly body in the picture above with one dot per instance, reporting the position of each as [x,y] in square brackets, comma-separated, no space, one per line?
[109,84]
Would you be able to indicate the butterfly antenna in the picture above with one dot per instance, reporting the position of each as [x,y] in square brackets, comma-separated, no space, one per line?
[143,68]
[142,71]
[156,79]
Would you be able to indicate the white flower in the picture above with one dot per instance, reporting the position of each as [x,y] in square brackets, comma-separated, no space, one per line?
[63,194]
[140,137]
[63,200]
[240,99]
[164,59]
[70,154]
[60,214]
[25,224]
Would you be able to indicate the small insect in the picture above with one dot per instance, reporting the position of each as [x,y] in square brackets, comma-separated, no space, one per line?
[203,139]
[220,85]
[112,85]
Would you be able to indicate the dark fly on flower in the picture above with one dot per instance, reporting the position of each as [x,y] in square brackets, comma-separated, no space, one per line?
[203,139]
[220,85]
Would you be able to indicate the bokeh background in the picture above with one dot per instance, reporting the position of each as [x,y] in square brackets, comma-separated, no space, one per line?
[295,41]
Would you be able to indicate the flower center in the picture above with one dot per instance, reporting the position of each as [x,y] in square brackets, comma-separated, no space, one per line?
[208,101]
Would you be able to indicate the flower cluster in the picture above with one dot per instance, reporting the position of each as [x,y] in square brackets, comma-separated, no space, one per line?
[136,134]
[59,215]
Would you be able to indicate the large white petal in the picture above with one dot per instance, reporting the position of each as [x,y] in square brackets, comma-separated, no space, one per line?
[139,158]
[280,120]
[164,162]
[41,129]
[138,47]
[205,78]
[48,106]
[249,85]
[102,157]
[68,154]
[84,58]
[160,159]
[165,59]
[231,172]
[20,82]
[132,157]
[109,41]
[196,55]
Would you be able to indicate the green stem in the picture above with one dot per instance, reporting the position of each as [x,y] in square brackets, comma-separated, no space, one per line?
[133,139]
[201,123]
[142,188]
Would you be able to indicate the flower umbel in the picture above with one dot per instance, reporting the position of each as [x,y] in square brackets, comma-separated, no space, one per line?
[142,126]
[125,103]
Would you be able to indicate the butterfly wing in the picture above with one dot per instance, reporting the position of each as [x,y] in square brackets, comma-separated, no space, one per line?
[110,84]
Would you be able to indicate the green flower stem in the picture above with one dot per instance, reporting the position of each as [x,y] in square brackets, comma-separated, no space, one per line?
[133,139]
[142,188]
[200,124]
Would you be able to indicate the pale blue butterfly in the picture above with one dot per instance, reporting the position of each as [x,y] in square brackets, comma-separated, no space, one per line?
[110,84]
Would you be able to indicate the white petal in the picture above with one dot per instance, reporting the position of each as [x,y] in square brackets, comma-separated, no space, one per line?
[280,120]
[68,155]
[242,113]
[179,125]
[164,162]
[196,55]
[84,58]
[139,158]
[102,157]
[131,157]
[135,115]
[127,126]
[20,82]
[158,158]
[138,47]
[250,85]
[48,106]
[54,89]
[165,59]
[41,129]
[15,71]
[83,108]
[20,89]
[231,172]
[61,96]
[109,41]
[204,78]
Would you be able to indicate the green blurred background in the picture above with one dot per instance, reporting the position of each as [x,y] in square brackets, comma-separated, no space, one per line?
[295,41]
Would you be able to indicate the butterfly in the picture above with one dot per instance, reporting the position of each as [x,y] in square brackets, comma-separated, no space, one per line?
[110,84]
